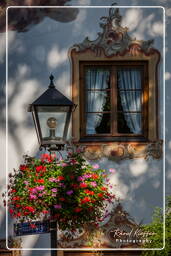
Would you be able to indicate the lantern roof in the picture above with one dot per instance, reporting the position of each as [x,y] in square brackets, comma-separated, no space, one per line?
[51,97]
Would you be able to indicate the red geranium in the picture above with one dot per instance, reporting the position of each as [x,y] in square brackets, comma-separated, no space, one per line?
[103,188]
[15,198]
[40,181]
[47,157]
[76,192]
[11,211]
[32,225]
[62,199]
[13,191]
[61,178]
[85,200]
[74,186]
[30,208]
[83,185]
[100,194]
[23,167]
[89,192]
[95,176]
[78,209]
[40,168]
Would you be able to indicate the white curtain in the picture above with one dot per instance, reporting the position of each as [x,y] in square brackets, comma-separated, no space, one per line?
[95,80]
[129,83]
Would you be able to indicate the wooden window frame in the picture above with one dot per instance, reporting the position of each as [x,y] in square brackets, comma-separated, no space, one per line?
[114,135]
[151,95]
[118,148]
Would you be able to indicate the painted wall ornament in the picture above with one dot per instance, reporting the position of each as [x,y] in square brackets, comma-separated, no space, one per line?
[114,39]
[119,151]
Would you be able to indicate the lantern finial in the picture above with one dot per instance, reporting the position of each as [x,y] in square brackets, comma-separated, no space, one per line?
[51,81]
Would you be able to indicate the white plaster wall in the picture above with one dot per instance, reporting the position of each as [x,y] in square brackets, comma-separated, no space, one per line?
[33,55]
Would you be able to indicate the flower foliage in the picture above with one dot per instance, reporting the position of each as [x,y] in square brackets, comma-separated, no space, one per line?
[76,192]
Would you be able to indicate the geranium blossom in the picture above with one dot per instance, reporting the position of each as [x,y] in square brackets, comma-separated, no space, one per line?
[95,176]
[83,185]
[89,192]
[78,209]
[80,178]
[69,192]
[57,206]
[54,190]
[76,191]
[53,179]
[47,157]
[60,178]
[33,190]
[33,196]
[64,164]
[85,200]
[112,170]
[93,183]
[40,188]
[95,166]
[40,168]
[40,181]
[30,208]
[86,176]
[62,199]
[23,167]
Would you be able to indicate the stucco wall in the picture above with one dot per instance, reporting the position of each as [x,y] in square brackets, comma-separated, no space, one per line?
[43,49]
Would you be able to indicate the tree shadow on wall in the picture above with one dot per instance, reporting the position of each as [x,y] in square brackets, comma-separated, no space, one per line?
[22,19]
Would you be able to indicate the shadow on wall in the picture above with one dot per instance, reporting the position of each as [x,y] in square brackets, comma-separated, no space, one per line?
[137,181]
[23,19]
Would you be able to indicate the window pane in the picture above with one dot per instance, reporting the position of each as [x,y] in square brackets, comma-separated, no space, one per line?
[129,123]
[129,100]
[98,101]
[97,79]
[97,123]
[129,86]
[129,78]
[60,119]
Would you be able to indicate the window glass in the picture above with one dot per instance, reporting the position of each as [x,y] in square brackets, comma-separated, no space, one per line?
[97,101]
[129,104]
[113,102]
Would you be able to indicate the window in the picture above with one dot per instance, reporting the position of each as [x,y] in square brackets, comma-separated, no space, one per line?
[113,101]
[115,87]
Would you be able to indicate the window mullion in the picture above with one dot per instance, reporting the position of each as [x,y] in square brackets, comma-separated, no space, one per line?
[113,84]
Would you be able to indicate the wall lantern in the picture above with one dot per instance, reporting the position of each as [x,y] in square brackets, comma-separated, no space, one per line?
[51,114]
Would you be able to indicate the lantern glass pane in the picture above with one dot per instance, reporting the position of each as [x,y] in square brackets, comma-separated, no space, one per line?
[52,109]
[52,120]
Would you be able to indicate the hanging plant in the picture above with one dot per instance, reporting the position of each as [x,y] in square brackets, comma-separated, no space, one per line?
[76,192]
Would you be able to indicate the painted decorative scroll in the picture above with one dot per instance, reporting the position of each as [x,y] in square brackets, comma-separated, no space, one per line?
[114,39]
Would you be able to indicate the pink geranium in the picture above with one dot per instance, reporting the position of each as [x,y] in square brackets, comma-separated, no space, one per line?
[33,196]
[93,184]
[52,179]
[54,190]
[80,178]
[69,192]
[112,170]
[57,206]
[40,188]
[95,166]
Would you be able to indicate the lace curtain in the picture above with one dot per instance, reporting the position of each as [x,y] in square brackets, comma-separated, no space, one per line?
[129,85]
[96,83]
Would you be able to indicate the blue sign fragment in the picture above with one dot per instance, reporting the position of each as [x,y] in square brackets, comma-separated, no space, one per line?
[32,228]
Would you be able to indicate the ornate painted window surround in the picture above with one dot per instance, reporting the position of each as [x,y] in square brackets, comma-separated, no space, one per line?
[114,44]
